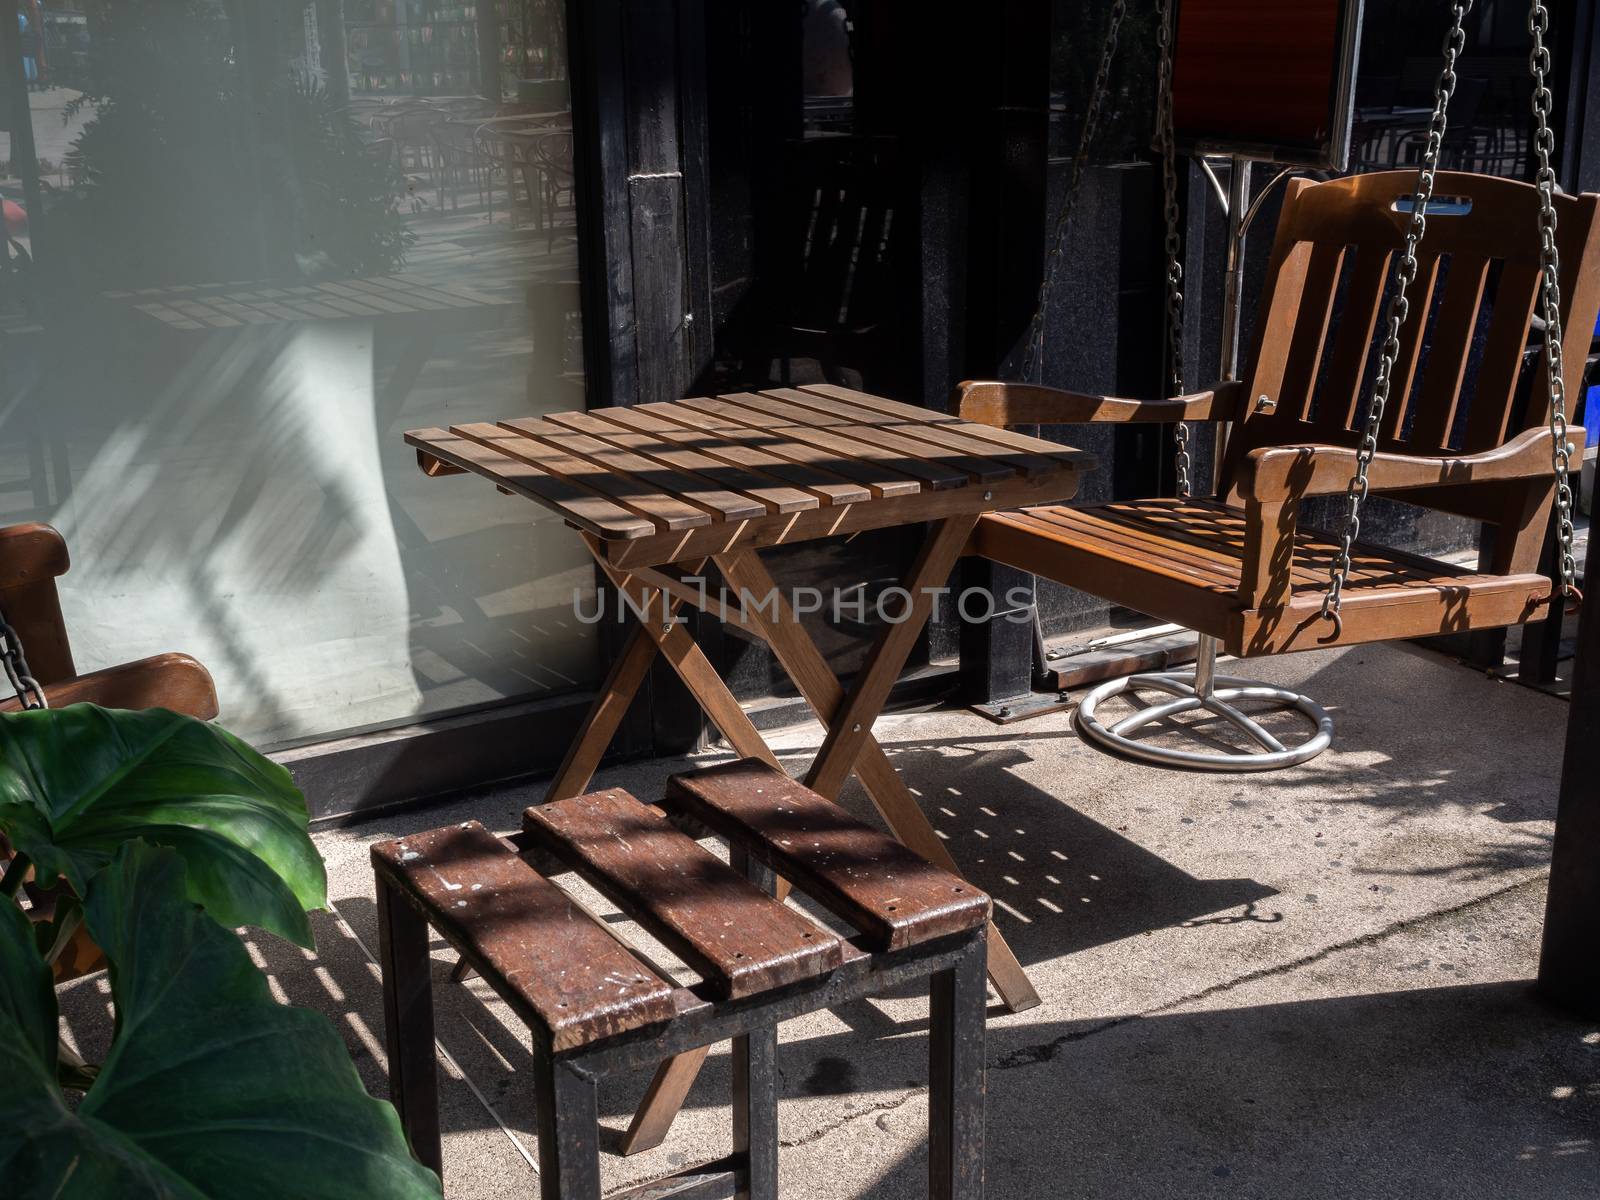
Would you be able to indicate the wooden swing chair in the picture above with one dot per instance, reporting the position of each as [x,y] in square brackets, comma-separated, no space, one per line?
[1446,267]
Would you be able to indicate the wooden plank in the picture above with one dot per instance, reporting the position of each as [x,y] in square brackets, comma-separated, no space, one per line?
[950,434]
[692,413]
[888,463]
[662,1100]
[1449,349]
[732,444]
[690,663]
[630,493]
[993,435]
[869,691]
[577,504]
[1311,330]
[893,897]
[1336,403]
[739,939]
[803,662]
[690,490]
[1501,365]
[546,957]
[872,428]
[1419,300]
[769,492]
[837,522]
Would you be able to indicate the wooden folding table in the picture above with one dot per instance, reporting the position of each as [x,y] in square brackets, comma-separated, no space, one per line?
[659,490]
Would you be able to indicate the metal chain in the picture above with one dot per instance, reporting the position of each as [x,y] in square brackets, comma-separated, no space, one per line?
[1550,293]
[1033,355]
[17,671]
[1174,244]
[1395,315]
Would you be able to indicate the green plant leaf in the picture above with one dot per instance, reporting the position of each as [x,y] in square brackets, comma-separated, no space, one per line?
[211,1089]
[77,782]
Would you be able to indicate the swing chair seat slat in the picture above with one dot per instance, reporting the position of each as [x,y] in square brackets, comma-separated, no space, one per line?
[1184,561]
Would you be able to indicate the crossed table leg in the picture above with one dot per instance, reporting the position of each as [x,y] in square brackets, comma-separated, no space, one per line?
[848,747]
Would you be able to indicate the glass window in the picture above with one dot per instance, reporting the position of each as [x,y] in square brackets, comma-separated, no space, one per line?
[249,244]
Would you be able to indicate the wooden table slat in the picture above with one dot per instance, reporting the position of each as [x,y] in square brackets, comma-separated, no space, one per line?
[1007,438]
[950,433]
[694,493]
[547,957]
[729,445]
[692,413]
[873,452]
[773,495]
[894,897]
[981,467]
[630,493]
[739,939]
[576,504]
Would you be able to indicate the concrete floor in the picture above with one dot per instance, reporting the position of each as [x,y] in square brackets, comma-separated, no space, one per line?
[1308,984]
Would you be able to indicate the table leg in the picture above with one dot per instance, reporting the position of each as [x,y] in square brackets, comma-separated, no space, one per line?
[800,658]
[852,721]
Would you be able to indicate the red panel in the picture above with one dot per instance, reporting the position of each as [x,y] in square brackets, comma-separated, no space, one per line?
[1256,70]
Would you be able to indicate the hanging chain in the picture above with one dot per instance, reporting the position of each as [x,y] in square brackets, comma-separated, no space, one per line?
[1550,293]
[1034,354]
[16,664]
[1396,313]
[1167,144]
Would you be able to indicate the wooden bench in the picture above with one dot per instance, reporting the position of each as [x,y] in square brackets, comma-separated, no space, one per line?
[595,1005]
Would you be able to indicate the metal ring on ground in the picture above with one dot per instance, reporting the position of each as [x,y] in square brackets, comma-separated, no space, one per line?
[1272,755]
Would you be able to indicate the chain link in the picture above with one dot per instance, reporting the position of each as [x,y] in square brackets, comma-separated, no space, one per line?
[1167,144]
[1395,315]
[1032,360]
[1550,295]
[17,671]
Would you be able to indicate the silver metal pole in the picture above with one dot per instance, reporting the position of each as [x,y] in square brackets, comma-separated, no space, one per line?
[1233,299]
[1237,215]
[1205,666]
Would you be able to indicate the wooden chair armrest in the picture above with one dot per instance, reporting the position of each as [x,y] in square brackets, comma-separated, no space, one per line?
[31,553]
[994,403]
[1291,472]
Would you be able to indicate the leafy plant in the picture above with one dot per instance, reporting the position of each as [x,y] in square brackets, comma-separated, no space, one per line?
[78,782]
[211,1087]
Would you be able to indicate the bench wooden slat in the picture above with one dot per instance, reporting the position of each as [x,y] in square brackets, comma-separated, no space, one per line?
[895,898]
[545,956]
[738,938]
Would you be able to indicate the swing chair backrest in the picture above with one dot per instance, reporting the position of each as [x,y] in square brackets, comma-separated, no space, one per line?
[1462,382]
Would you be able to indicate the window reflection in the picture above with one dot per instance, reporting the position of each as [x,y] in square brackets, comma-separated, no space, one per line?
[248,244]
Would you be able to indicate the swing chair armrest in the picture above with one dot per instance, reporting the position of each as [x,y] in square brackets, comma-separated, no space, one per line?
[991,402]
[1291,472]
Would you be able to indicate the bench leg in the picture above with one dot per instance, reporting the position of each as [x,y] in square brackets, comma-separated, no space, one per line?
[755,1111]
[956,1079]
[408,1023]
[804,664]
[568,1112]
